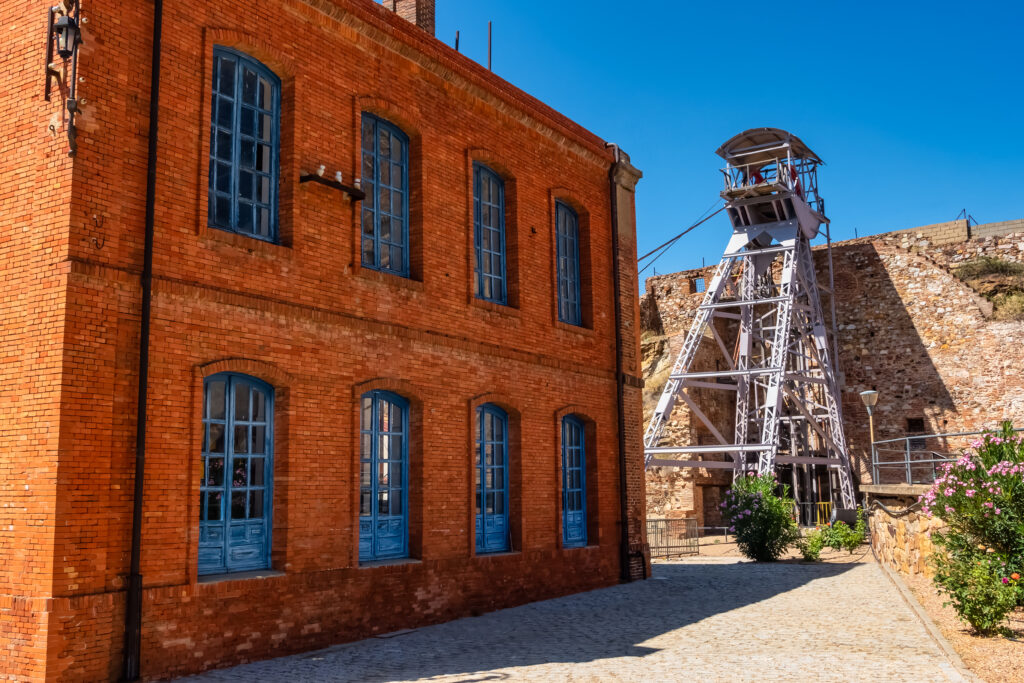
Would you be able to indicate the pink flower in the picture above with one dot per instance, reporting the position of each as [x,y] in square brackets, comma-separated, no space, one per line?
[998,511]
[970,493]
[1005,581]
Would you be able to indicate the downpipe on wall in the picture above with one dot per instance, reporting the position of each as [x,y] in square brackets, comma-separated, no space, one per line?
[133,603]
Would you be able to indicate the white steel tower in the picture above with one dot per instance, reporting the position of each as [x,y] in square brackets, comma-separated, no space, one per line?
[764,298]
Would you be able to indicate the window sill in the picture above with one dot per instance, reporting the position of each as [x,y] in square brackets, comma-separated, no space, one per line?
[577,329]
[240,576]
[505,310]
[503,553]
[397,562]
[389,279]
[255,246]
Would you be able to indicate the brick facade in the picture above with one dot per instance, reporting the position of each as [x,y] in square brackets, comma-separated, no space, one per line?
[303,316]
[908,328]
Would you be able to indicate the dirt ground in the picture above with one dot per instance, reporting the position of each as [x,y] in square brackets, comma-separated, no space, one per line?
[994,660]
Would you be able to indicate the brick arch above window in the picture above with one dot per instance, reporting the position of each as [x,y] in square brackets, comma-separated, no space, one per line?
[404,388]
[391,111]
[268,372]
[245,41]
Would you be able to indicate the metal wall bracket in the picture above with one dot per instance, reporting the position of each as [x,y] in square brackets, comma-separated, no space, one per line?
[353,193]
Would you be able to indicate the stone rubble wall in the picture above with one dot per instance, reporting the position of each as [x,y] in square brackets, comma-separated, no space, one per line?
[907,327]
[904,543]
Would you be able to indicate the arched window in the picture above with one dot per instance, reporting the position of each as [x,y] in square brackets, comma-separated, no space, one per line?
[567,237]
[237,470]
[383,476]
[574,485]
[385,211]
[489,234]
[244,145]
[492,470]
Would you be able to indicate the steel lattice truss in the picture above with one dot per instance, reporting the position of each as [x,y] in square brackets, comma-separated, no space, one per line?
[764,296]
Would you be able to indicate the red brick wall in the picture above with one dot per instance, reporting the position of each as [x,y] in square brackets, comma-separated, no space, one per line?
[35,191]
[305,317]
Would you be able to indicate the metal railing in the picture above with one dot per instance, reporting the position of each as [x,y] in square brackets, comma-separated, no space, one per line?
[672,537]
[916,459]
[813,514]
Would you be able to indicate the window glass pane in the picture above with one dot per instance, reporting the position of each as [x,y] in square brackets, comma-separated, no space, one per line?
[266,99]
[245,217]
[263,191]
[382,475]
[255,504]
[225,146]
[382,503]
[364,473]
[248,122]
[364,503]
[241,401]
[263,158]
[239,474]
[245,184]
[499,504]
[216,438]
[248,86]
[238,505]
[215,473]
[225,112]
[216,400]
[396,504]
[223,182]
[259,439]
[257,471]
[213,504]
[226,79]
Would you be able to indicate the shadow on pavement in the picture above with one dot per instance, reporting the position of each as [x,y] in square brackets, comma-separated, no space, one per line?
[606,623]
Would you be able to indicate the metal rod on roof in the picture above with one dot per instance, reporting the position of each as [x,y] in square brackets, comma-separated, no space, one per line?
[490,44]
[456,41]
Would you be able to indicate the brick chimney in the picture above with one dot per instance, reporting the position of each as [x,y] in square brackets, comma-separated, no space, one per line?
[419,12]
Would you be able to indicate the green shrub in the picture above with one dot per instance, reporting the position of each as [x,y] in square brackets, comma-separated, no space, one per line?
[811,545]
[977,590]
[980,497]
[760,518]
[988,265]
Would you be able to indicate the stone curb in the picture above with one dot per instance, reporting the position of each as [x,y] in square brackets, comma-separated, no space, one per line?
[928,624]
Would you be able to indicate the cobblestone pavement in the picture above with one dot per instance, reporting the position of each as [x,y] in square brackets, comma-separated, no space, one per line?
[717,620]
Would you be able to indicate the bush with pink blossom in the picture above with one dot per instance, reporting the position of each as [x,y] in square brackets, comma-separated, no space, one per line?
[760,514]
[980,497]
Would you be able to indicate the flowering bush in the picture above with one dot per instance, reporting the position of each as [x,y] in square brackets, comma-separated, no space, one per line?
[980,497]
[761,520]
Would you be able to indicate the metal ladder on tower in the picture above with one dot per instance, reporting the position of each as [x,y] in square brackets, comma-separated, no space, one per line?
[765,292]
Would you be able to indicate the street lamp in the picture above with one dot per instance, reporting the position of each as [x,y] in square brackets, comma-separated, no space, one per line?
[65,30]
[870,399]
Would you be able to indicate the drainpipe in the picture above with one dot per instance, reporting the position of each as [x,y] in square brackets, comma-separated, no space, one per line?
[619,384]
[133,606]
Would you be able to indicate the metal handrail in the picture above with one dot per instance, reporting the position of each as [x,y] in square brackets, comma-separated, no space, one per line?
[908,463]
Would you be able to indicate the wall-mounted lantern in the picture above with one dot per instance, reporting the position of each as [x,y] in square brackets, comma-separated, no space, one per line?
[66,35]
[63,38]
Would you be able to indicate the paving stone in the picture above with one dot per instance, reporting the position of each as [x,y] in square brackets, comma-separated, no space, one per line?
[694,620]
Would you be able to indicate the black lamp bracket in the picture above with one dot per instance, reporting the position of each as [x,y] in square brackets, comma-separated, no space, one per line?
[64,70]
[354,193]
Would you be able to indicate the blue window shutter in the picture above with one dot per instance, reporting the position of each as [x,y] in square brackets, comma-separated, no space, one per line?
[385,211]
[567,237]
[245,122]
[236,491]
[491,474]
[574,485]
[383,476]
[489,234]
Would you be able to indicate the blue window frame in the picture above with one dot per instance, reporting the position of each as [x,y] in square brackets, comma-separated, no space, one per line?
[237,470]
[492,530]
[574,484]
[489,234]
[245,114]
[567,235]
[383,476]
[385,211]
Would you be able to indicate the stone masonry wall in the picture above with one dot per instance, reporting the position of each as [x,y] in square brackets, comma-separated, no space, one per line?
[904,543]
[907,328]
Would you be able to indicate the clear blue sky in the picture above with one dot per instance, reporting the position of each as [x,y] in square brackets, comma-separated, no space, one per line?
[916,107]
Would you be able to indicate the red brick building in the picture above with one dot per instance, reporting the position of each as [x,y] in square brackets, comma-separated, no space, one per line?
[367,405]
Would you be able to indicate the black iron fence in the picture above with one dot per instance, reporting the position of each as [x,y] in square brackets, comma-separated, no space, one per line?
[672,537]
